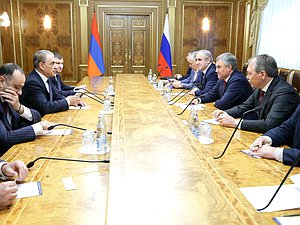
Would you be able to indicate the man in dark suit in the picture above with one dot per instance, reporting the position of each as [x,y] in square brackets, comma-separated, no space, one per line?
[208,76]
[277,98]
[40,93]
[193,79]
[17,123]
[288,133]
[65,90]
[8,189]
[232,87]
[189,70]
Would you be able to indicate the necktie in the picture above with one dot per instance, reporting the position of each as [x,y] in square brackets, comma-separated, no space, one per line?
[50,90]
[261,97]
[5,108]
[58,82]
[225,83]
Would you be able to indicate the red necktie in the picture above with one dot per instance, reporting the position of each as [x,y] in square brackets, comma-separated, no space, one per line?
[225,83]
[261,97]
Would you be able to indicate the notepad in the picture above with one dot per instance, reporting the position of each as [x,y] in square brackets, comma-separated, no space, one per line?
[29,189]
[57,132]
[212,121]
[294,220]
[79,107]
[249,152]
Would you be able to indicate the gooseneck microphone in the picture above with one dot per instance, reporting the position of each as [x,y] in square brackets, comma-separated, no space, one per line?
[188,105]
[171,101]
[31,164]
[95,97]
[163,68]
[236,127]
[282,182]
[65,125]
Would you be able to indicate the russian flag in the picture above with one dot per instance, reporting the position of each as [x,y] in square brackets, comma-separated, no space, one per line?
[165,58]
[95,61]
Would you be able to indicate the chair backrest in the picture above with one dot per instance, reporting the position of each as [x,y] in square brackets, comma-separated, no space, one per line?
[296,79]
[244,69]
[285,74]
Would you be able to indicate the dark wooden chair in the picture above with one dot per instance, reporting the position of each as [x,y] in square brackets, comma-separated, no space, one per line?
[296,79]
[285,74]
[244,68]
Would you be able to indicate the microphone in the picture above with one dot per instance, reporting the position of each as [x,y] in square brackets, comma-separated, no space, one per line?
[172,103]
[235,129]
[95,98]
[284,179]
[31,164]
[188,105]
[159,72]
[66,125]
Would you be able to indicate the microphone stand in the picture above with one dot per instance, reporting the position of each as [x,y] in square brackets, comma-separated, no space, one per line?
[97,98]
[235,129]
[188,105]
[31,164]
[66,125]
[172,103]
[282,182]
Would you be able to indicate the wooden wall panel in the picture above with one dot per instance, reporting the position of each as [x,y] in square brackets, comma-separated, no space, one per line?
[7,35]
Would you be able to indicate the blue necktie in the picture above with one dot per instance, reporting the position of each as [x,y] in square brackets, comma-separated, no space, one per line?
[58,82]
[50,90]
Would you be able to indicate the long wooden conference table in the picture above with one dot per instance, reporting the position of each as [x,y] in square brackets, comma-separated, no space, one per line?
[159,173]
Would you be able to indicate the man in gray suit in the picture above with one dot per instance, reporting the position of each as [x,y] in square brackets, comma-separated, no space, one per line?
[17,123]
[277,98]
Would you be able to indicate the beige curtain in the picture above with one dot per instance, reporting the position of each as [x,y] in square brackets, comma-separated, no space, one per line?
[257,7]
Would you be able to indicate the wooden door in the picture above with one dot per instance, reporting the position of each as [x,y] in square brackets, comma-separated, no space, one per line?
[128,41]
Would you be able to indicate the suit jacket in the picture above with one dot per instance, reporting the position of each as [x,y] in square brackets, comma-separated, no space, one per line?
[36,96]
[208,80]
[19,131]
[189,82]
[288,133]
[188,73]
[278,104]
[237,90]
[66,90]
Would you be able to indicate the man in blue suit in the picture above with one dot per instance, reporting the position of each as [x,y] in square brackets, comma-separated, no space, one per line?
[194,78]
[288,133]
[65,90]
[232,87]
[17,123]
[208,76]
[272,94]
[189,70]
[38,91]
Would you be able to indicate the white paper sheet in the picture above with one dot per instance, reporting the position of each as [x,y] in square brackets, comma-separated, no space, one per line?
[68,183]
[57,132]
[288,197]
[296,180]
[92,151]
[29,189]
[79,107]
[107,112]
[197,107]
[249,152]
[294,220]
[212,121]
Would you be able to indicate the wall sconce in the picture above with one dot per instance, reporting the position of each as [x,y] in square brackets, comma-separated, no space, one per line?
[47,22]
[4,20]
[205,24]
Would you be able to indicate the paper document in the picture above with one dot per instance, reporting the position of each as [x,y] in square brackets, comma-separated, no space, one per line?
[80,107]
[57,132]
[29,189]
[212,121]
[92,150]
[288,197]
[296,180]
[249,152]
[68,183]
[183,105]
[293,220]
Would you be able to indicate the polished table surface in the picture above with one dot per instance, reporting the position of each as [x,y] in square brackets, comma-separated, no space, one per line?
[159,172]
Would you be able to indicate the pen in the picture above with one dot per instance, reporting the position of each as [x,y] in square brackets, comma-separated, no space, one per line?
[290,215]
